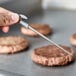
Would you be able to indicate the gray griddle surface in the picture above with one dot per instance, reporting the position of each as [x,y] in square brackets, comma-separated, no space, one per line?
[63,24]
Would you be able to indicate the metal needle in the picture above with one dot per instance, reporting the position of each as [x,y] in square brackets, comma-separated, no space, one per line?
[27,26]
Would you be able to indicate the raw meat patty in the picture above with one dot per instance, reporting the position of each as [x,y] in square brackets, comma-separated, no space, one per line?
[42,28]
[52,56]
[12,44]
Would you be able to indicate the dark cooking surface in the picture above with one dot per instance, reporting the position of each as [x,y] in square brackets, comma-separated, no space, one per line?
[63,23]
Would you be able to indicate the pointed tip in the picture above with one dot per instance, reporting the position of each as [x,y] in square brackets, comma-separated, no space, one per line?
[23,16]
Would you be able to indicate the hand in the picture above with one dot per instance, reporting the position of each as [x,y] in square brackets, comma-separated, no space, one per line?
[7,18]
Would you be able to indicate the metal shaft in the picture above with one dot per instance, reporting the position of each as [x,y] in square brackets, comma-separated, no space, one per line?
[49,40]
[43,36]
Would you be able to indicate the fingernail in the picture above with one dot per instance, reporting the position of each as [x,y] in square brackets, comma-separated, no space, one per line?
[14,17]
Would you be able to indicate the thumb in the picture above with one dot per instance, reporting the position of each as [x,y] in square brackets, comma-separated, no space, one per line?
[14,18]
[8,19]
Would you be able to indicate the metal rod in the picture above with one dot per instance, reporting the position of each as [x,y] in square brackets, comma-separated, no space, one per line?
[43,36]
[49,40]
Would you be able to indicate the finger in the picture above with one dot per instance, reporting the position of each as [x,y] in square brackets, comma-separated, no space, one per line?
[15,18]
[9,18]
[5,29]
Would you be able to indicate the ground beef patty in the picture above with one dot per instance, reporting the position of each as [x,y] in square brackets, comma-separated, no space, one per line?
[52,56]
[12,44]
[73,39]
[42,28]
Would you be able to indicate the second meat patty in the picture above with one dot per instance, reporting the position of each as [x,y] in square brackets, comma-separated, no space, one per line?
[42,28]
